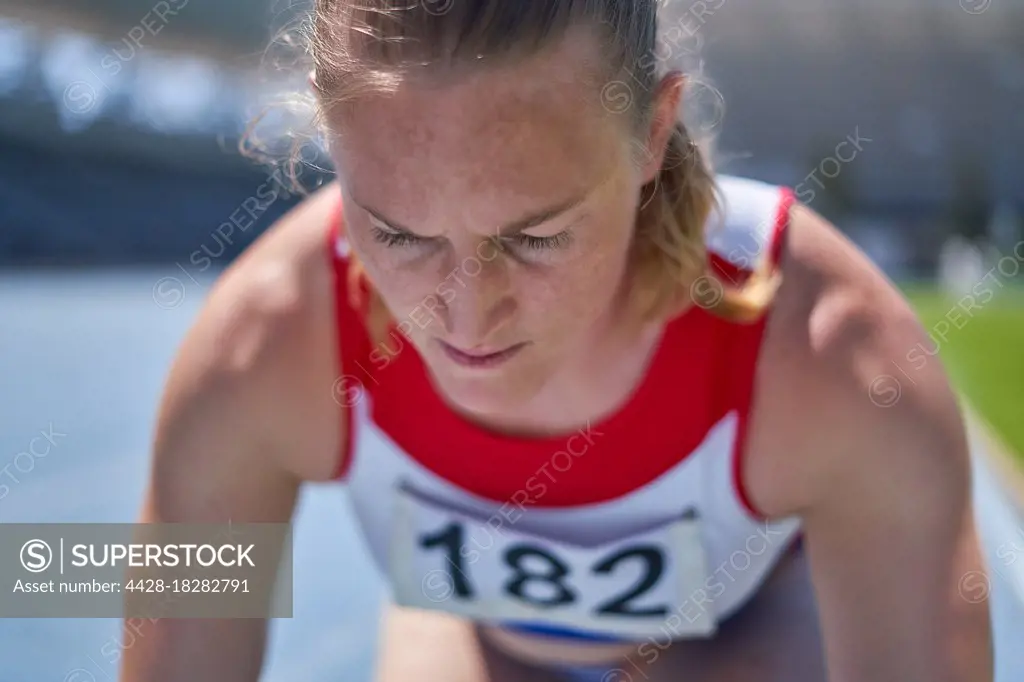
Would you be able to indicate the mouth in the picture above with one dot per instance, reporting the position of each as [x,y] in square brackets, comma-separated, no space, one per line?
[481,358]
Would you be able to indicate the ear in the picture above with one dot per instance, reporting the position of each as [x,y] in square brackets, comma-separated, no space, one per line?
[667,98]
[312,78]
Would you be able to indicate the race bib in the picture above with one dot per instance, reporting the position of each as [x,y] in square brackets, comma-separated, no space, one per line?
[445,559]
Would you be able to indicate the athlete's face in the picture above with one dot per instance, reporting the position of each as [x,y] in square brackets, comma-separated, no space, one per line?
[494,216]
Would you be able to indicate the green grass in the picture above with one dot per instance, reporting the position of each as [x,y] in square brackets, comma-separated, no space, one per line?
[984,353]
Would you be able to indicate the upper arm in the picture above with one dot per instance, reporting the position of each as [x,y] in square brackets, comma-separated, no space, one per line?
[216,459]
[215,453]
[892,540]
[248,410]
[888,516]
[247,414]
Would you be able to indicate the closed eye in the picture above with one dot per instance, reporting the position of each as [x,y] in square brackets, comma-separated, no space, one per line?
[389,238]
[555,241]
[384,234]
[560,240]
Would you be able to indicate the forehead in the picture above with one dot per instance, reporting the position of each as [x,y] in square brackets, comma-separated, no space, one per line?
[531,131]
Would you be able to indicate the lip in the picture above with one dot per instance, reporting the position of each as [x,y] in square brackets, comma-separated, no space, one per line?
[481,358]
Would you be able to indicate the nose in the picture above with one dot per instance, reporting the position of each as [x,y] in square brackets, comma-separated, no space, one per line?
[477,297]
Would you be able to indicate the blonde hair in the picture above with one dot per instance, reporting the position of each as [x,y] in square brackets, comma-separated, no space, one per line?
[362,47]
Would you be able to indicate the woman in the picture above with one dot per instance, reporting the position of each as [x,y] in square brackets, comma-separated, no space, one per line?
[604,415]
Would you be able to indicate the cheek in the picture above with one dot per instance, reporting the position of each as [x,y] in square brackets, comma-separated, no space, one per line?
[411,296]
[573,295]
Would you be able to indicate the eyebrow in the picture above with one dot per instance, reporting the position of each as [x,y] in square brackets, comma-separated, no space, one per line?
[508,229]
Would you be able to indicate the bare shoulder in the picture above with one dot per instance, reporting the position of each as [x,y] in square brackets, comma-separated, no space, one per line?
[837,398]
[264,343]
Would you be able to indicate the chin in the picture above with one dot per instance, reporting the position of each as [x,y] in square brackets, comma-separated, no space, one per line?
[488,392]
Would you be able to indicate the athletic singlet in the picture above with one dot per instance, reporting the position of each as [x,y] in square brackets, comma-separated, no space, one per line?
[632,526]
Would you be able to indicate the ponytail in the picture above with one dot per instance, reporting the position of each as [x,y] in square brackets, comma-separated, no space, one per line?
[671,262]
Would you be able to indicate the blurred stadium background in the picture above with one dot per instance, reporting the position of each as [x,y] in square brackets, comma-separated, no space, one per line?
[119,122]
